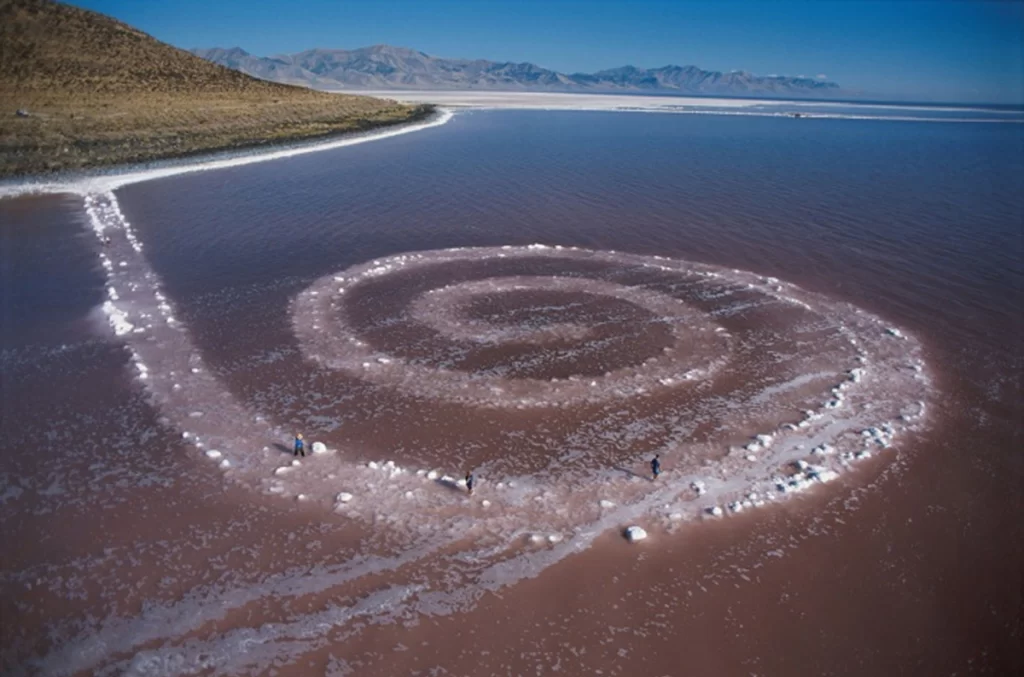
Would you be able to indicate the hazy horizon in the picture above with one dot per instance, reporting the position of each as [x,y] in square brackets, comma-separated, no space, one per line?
[947,52]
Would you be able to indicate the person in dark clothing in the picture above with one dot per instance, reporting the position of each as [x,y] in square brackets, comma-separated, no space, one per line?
[655,466]
[300,446]
[469,482]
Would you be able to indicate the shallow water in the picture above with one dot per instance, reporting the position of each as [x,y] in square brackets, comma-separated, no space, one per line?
[789,254]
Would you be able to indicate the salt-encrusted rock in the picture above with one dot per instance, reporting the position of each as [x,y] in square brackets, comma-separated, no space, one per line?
[225,464]
[634,534]
[607,504]
[824,449]
[213,453]
[319,448]
[344,497]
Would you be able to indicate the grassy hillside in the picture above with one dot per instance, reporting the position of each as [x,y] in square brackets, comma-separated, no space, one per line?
[100,92]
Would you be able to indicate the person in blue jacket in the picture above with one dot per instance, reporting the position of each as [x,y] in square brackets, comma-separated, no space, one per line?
[656,466]
[300,446]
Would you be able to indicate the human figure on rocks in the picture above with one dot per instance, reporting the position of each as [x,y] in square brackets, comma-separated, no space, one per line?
[300,446]
[469,482]
[655,466]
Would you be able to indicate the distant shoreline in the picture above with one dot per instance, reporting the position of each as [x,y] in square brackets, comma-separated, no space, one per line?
[679,105]
[654,102]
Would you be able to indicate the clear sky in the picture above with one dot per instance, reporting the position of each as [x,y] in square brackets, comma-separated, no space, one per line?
[967,50]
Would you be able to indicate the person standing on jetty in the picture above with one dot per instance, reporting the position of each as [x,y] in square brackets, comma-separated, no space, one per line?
[300,446]
[469,482]
[655,466]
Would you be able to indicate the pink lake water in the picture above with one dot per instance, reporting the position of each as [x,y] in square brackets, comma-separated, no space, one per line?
[817,324]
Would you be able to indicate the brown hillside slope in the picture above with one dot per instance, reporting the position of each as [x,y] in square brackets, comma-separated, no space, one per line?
[100,92]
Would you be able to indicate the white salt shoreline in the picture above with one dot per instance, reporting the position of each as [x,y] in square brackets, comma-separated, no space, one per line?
[114,179]
[655,104]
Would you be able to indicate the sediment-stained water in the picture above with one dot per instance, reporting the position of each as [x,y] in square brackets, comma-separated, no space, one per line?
[815,325]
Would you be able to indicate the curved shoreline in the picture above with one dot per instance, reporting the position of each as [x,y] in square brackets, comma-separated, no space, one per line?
[101,181]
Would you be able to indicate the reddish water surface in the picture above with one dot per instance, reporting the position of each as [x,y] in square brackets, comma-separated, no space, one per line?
[130,550]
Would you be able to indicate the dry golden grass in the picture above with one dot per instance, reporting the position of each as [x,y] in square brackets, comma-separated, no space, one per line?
[100,92]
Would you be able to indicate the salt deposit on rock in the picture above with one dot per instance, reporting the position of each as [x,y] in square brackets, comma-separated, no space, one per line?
[319,448]
[823,450]
[213,453]
[607,504]
[635,533]
[344,497]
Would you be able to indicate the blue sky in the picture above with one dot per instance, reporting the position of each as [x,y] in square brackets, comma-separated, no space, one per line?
[969,50]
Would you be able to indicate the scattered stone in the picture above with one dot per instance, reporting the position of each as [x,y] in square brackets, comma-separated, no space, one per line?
[635,533]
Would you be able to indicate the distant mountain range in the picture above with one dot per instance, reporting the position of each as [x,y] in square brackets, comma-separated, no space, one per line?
[387,67]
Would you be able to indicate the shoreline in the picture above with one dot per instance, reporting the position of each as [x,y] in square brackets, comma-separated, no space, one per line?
[682,105]
[111,177]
